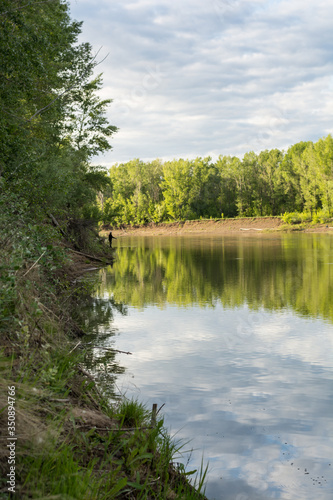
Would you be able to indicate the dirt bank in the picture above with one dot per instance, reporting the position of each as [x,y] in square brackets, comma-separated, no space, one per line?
[246,225]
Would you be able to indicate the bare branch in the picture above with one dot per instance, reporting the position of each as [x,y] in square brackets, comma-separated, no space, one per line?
[33,265]
[69,88]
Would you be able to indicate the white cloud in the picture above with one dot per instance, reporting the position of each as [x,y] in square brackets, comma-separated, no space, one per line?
[215,77]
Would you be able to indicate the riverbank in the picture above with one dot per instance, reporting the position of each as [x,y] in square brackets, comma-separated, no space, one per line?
[68,436]
[240,226]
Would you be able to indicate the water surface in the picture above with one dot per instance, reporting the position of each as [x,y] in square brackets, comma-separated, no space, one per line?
[234,335]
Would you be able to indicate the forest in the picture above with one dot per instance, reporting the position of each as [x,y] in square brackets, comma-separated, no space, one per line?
[53,197]
[52,121]
[270,183]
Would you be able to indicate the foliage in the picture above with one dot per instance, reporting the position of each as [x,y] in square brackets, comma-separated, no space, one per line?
[265,184]
[52,121]
[295,217]
[320,216]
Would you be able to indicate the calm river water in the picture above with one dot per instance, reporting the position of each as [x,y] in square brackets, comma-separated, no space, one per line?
[235,336]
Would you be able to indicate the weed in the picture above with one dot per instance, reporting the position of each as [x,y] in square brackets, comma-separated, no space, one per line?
[72,443]
[133,414]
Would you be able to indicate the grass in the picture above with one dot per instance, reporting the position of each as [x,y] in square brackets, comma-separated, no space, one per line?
[73,442]
[133,413]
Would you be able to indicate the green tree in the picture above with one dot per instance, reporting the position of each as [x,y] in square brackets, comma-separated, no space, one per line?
[204,193]
[227,199]
[270,181]
[86,122]
[45,92]
[292,170]
[246,177]
[323,150]
[176,186]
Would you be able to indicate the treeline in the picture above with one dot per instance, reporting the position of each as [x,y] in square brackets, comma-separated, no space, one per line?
[51,124]
[52,121]
[265,184]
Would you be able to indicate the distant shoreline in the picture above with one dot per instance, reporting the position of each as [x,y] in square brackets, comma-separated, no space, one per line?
[241,226]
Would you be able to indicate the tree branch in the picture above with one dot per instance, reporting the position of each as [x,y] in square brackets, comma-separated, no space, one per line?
[69,88]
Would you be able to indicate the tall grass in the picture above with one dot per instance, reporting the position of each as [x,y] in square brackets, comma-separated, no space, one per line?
[72,442]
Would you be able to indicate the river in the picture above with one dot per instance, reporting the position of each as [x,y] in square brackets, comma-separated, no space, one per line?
[234,336]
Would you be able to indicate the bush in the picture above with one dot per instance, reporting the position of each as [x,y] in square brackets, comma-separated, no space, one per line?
[321,216]
[296,217]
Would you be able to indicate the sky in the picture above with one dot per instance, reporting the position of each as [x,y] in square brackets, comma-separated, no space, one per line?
[198,78]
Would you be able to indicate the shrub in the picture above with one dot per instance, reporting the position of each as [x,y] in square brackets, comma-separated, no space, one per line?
[321,216]
[296,217]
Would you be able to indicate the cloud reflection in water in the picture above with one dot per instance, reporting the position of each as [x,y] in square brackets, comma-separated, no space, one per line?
[251,387]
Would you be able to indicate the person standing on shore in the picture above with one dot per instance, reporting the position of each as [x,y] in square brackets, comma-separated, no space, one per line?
[111,238]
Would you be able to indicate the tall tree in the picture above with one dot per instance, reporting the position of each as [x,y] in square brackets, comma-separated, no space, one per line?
[227,166]
[46,87]
[270,181]
[323,150]
[204,193]
[176,186]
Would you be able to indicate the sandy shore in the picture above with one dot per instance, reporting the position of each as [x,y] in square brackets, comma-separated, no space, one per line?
[246,225]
